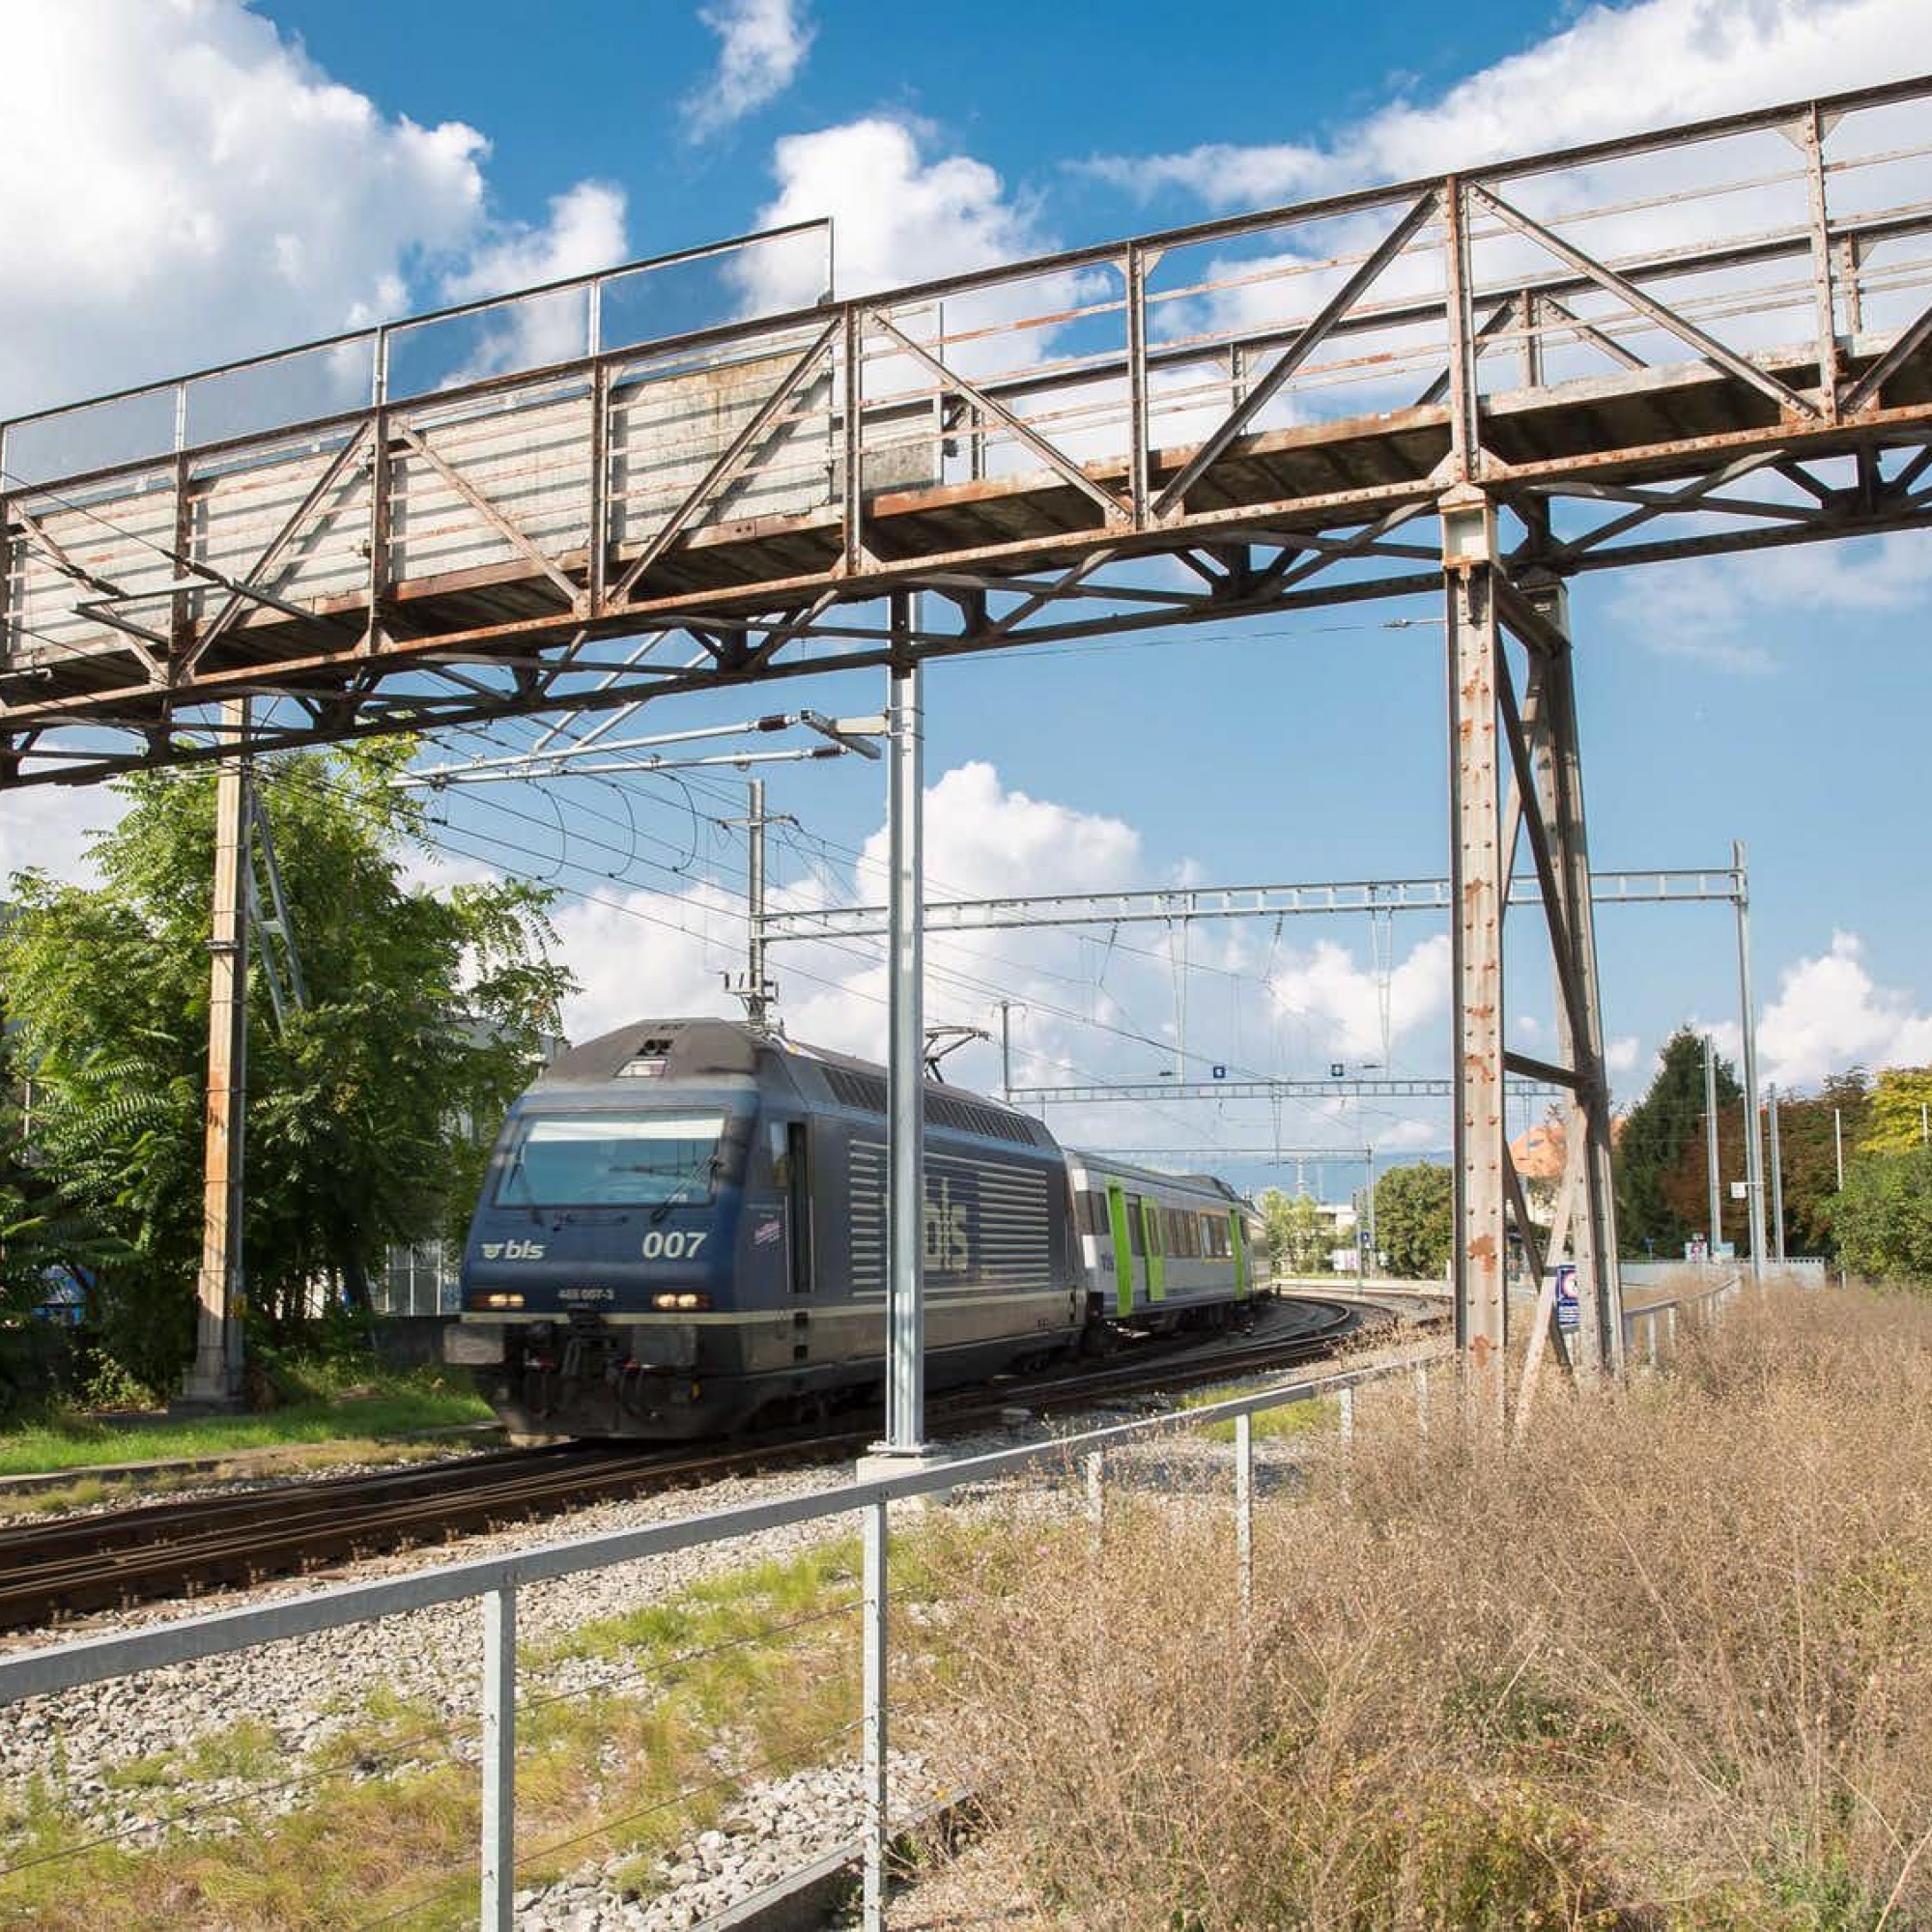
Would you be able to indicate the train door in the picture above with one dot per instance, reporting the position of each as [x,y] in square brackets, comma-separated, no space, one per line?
[1120,1222]
[1237,1238]
[791,1181]
[1157,1250]
[798,1205]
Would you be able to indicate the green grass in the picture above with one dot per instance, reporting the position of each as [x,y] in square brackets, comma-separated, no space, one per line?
[384,1408]
[757,1667]
[1308,1417]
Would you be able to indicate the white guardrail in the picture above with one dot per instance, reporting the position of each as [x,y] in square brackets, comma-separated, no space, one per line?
[1662,1315]
[494,1582]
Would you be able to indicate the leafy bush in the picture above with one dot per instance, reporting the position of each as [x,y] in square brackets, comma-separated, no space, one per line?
[1884,1217]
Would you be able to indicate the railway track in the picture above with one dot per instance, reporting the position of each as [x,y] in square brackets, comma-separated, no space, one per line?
[80,1564]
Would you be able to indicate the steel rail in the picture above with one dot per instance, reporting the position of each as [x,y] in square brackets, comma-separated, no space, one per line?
[140,1554]
[64,1665]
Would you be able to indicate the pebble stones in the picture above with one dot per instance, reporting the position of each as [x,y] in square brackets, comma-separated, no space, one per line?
[300,1695]
[774,1830]
[305,1690]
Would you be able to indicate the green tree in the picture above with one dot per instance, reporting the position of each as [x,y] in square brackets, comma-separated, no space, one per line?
[426,1013]
[1662,1137]
[1415,1219]
[1298,1238]
[1884,1221]
[1808,1131]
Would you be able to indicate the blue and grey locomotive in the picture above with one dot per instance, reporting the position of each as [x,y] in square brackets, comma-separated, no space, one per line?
[683,1226]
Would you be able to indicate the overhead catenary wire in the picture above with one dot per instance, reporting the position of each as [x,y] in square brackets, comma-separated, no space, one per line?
[463,840]
[718,949]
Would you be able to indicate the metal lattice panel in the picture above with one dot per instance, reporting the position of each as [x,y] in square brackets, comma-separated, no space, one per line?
[1711,339]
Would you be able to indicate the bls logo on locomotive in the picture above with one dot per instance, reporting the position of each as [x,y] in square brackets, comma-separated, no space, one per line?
[513,1251]
[947,1230]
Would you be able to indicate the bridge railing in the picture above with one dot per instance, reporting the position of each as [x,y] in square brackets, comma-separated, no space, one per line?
[606,449]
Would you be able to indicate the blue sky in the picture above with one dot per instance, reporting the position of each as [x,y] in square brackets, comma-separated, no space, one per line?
[243,176]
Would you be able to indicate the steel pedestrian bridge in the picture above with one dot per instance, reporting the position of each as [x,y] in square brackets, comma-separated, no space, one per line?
[1644,349]
[1704,341]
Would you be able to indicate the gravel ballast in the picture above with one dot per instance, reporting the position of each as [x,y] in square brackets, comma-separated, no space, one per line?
[305,1692]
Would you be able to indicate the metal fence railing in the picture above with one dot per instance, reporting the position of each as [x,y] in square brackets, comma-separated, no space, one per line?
[1657,1321]
[494,1583]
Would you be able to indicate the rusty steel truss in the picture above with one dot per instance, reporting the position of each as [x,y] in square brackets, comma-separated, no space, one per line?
[1705,341]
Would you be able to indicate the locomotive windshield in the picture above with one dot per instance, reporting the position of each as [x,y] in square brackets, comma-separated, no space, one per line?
[612,1160]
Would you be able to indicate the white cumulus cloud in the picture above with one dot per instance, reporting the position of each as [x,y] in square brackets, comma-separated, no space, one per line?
[1830,1015]
[899,216]
[1340,1000]
[761,45]
[1714,610]
[219,193]
[49,827]
[1697,58]
[586,232]
[982,840]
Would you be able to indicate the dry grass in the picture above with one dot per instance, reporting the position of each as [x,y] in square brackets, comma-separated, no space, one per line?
[1670,1666]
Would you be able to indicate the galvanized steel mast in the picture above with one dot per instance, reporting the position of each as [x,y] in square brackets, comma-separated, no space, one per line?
[905,1144]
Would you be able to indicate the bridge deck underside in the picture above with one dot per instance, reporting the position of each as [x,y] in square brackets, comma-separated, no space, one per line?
[1635,428]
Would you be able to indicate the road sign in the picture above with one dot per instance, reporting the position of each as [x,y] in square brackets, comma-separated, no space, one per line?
[1569,1312]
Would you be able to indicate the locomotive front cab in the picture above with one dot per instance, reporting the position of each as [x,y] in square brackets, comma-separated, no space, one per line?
[602,1257]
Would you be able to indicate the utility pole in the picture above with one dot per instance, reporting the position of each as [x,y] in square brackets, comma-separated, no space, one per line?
[1776,1187]
[756,989]
[1711,1145]
[214,1381]
[1369,1155]
[1754,1146]
[1838,1144]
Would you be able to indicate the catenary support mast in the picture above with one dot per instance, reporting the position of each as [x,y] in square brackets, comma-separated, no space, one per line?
[905,1218]
[1753,1123]
[215,1377]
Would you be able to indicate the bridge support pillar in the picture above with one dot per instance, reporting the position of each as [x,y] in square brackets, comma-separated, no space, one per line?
[1477,883]
[1580,1013]
[1533,737]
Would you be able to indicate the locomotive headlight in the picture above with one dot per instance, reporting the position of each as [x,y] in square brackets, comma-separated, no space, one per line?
[683,1302]
[499,1300]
